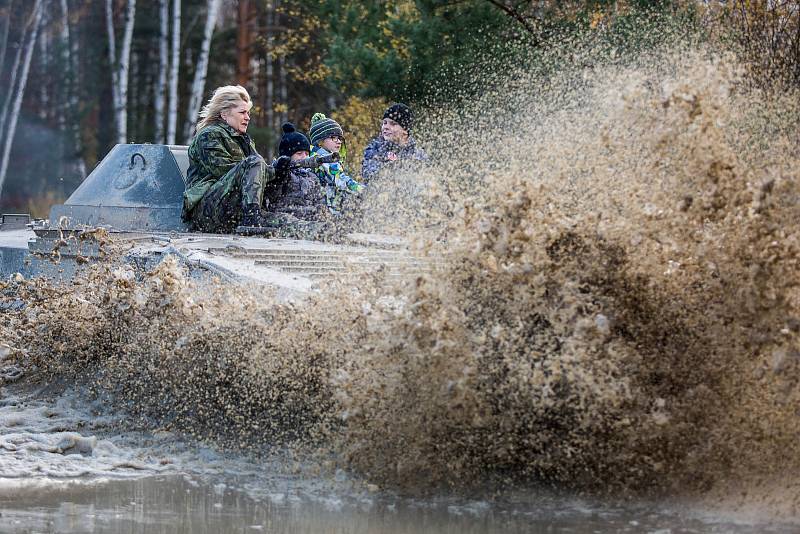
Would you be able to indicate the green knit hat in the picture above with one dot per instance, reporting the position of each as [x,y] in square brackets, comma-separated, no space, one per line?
[322,127]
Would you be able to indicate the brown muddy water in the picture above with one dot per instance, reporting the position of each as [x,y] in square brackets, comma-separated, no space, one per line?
[67,468]
[181,504]
[612,310]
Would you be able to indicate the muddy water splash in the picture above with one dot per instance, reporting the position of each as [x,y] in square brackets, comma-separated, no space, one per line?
[614,306]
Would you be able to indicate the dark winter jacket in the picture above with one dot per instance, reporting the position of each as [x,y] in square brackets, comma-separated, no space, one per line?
[377,153]
[299,193]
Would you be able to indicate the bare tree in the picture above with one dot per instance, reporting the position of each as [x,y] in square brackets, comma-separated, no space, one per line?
[244,41]
[199,81]
[517,11]
[172,113]
[14,73]
[160,88]
[6,22]
[23,79]
[269,74]
[120,66]
[283,89]
[63,96]
[44,61]
[283,93]
[768,35]
[68,123]
[67,63]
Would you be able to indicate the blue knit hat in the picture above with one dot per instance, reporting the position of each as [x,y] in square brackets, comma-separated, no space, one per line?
[401,114]
[322,127]
[292,141]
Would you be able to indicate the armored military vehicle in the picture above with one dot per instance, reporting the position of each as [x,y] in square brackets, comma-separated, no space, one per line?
[134,197]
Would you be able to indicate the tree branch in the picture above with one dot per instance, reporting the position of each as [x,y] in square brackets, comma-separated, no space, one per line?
[516,15]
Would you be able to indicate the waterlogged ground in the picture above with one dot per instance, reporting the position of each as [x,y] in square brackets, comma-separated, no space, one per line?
[182,504]
[65,469]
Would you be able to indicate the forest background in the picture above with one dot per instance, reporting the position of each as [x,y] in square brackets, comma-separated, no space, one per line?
[79,76]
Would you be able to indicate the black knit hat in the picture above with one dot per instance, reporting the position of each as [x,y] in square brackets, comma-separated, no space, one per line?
[292,141]
[322,127]
[401,114]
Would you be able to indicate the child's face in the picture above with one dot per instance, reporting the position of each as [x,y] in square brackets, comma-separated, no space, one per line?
[300,154]
[331,144]
[393,132]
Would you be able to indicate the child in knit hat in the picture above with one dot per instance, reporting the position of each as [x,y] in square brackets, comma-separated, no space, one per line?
[327,137]
[296,194]
[293,144]
[394,144]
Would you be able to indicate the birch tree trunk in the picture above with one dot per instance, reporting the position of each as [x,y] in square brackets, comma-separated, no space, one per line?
[12,82]
[10,93]
[67,65]
[199,81]
[172,114]
[134,92]
[161,88]
[44,61]
[65,82]
[120,66]
[124,61]
[23,79]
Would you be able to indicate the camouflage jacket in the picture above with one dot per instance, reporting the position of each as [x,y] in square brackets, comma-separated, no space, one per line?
[214,151]
[298,193]
[376,155]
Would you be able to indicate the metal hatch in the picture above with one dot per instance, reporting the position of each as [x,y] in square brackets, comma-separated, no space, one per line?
[135,187]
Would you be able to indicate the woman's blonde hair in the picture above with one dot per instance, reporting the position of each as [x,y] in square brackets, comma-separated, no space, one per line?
[223,99]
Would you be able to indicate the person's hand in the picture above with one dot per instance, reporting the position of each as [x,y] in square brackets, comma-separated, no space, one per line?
[355,187]
[281,165]
[333,157]
[391,156]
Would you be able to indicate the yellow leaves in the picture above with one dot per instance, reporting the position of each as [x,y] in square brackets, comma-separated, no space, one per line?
[402,47]
[407,10]
[360,119]
[597,19]
[396,13]
[297,35]
[313,72]
[605,17]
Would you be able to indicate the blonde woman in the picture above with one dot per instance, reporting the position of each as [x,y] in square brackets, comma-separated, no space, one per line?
[226,177]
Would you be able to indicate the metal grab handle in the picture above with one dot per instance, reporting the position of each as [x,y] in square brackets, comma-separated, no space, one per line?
[133,160]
